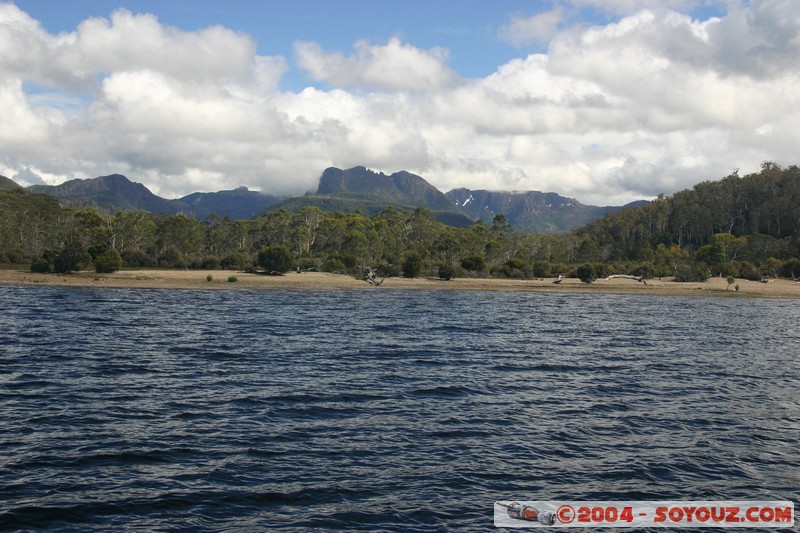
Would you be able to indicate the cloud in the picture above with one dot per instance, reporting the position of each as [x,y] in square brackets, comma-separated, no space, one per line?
[126,42]
[652,102]
[393,66]
[538,28]
[27,176]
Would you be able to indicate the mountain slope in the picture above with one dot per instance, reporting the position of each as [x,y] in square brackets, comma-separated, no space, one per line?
[350,190]
[369,192]
[237,204]
[763,205]
[114,192]
[7,184]
[401,187]
[530,211]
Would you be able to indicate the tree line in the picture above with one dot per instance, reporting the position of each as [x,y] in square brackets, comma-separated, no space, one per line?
[740,226]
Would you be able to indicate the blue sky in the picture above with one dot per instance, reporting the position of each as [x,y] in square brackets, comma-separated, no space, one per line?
[468,28]
[603,100]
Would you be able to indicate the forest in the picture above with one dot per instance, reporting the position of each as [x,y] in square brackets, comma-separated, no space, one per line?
[741,226]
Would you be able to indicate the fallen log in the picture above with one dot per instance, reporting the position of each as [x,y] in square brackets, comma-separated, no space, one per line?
[371,277]
[640,279]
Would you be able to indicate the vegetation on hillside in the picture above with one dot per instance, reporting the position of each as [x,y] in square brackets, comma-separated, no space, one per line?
[740,226]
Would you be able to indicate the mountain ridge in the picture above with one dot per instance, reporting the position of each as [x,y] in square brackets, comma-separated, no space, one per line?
[369,192]
[346,190]
[529,211]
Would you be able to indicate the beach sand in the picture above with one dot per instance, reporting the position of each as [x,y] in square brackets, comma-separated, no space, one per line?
[197,279]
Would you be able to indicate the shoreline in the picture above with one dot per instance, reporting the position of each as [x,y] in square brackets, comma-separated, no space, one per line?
[196,280]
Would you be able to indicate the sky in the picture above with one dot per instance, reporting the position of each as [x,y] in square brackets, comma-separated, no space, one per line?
[606,101]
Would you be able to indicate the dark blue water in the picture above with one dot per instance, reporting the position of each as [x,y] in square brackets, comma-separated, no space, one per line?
[383,410]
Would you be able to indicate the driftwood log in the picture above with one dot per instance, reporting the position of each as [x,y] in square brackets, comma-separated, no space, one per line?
[640,279]
[371,277]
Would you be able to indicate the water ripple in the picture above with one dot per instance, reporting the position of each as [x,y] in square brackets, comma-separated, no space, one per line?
[382,410]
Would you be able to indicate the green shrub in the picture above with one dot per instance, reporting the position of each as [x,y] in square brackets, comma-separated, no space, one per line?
[748,271]
[446,271]
[71,259]
[138,259]
[791,268]
[586,273]
[514,268]
[233,261]
[541,269]
[210,262]
[412,265]
[687,272]
[332,264]
[474,263]
[388,270]
[107,262]
[41,265]
[276,259]
[232,279]
[308,263]
[646,270]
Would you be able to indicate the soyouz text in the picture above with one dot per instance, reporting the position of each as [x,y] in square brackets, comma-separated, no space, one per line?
[644,514]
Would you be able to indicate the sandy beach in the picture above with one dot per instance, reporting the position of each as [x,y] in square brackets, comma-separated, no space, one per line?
[197,279]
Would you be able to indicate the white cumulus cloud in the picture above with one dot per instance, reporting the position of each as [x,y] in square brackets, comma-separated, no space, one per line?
[393,66]
[538,28]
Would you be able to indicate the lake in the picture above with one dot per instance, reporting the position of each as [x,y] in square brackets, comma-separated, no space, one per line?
[383,409]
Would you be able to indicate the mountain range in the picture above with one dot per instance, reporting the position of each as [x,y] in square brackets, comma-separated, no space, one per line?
[350,190]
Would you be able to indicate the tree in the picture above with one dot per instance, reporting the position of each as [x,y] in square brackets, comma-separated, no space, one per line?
[73,254]
[688,271]
[276,259]
[474,264]
[446,271]
[514,268]
[586,273]
[41,265]
[107,261]
[500,224]
[412,265]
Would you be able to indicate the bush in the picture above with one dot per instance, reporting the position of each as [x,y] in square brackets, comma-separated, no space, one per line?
[749,271]
[41,265]
[107,262]
[646,270]
[308,263]
[71,259]
[233,261]
[412,265]
[276,259]
[586,273]
[388,270]
[513,268]
[446,271]
[332,264]
[541,269]
[172,258]
[232,279]
[209,278]
[687,272]
[137,258]
[474,263]
[791,268]
[210,263]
